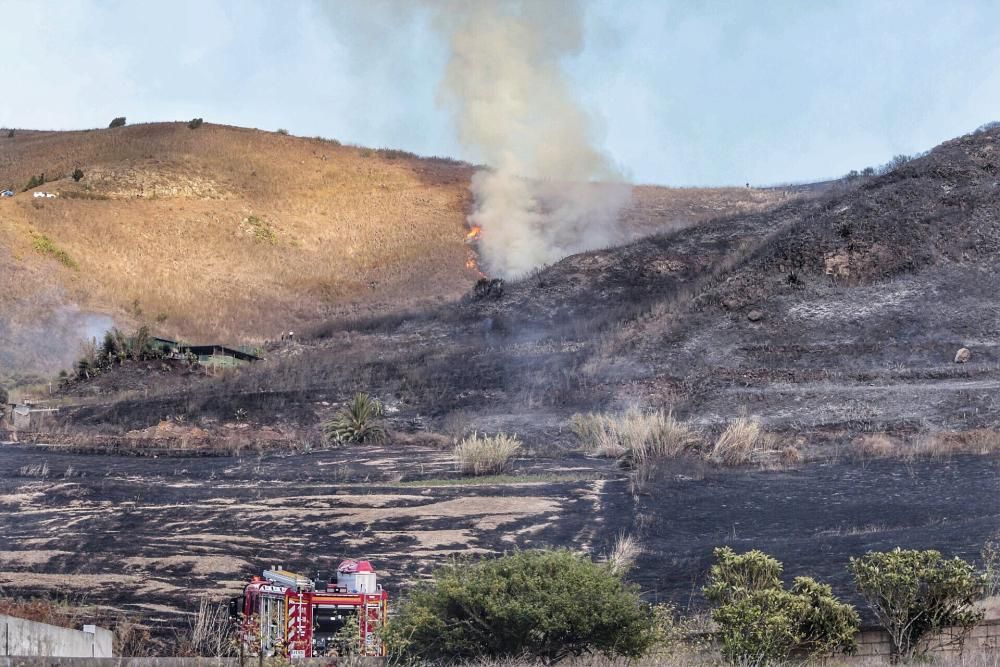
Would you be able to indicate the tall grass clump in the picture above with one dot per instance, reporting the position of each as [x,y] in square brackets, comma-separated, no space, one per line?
[623,554]
[643,436]
[486,454]
[742,441]
[210,632]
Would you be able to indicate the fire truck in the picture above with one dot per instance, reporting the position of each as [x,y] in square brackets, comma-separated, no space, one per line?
[286,614]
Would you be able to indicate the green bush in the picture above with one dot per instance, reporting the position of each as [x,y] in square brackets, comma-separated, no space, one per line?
[828,625]
[359,422]
[117,122]
[734,575]
[117,347]
[260,229]
[916,594]
[34,182]
[195,123]
[77,174]
[282,131]
[545,605]
[760,628]
[85,368]
[761,623]
[46,246]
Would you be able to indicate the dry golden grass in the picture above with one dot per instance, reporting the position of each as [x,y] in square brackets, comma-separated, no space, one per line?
[657,209]
[486,454]
[873,446]
[644,435]
[743,441]
[41,610]
[166,227]
[233,234]
[942,445]
[926,445]
[624,553]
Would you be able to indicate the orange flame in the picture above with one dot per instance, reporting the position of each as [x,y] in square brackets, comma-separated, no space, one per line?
[472,238]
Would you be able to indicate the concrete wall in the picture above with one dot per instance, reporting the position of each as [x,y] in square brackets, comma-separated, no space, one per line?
[984,637]
[19,637]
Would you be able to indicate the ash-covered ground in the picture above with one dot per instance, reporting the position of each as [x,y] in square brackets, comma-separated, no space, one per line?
[152,535]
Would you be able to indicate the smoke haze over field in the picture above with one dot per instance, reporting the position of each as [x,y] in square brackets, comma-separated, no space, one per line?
[547,191]
[46,340]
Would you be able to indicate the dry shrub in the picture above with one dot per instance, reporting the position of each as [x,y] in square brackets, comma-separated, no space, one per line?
[457,424]
[873,446]
[943,445]
[210,632]
[34,470]
[743,440]
[41,610]
[645,436]
[132,639]
[624,553]
[791,455]
[486,454]
[926,445]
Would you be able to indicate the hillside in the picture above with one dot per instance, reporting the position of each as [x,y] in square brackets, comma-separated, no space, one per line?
[237,235]
[833,318]
[224,233]
[839,311]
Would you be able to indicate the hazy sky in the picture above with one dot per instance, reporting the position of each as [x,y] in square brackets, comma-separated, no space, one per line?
[683,92]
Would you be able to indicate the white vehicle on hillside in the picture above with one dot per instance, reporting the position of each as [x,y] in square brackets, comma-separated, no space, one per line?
[47,195]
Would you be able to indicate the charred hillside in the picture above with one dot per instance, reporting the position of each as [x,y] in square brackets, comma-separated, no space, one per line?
[834,313]
[219,233]
[834,317]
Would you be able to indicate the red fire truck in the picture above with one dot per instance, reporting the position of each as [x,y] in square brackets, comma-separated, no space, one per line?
[287,614]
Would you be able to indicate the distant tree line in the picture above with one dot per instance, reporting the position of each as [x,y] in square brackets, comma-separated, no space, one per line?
[895,163]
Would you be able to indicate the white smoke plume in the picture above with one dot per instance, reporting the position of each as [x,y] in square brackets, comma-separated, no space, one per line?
[547,191]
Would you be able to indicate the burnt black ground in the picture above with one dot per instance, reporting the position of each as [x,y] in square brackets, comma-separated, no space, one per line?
[152,535]
[813,518]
